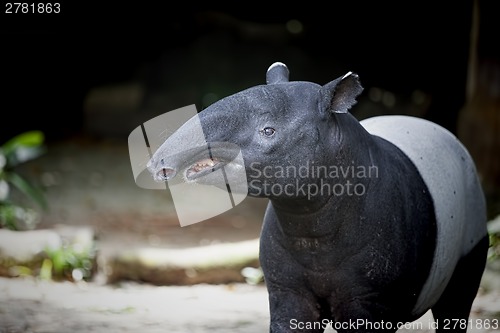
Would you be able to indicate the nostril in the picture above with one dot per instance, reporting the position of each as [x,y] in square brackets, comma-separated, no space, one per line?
[165,174]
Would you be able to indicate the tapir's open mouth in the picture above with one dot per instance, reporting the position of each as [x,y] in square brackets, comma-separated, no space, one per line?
[194,163]
[203,167]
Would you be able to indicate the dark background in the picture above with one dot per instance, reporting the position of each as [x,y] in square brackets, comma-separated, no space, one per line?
[51,62]
[96,71]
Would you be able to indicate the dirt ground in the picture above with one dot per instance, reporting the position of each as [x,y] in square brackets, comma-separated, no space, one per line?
[91,184]
[31,306]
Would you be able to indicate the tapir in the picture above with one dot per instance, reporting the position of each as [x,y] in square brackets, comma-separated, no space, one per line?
[370,223]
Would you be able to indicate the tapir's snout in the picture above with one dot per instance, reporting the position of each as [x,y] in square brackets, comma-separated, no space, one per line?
[192,163]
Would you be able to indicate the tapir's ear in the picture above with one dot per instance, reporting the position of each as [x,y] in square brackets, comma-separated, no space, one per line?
[276,73]
[340,95]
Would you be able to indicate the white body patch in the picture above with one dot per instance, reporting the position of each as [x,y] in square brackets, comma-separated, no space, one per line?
[450,175]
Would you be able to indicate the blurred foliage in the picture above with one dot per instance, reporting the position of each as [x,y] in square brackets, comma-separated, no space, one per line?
[494,232]
[68,262]
[21,148]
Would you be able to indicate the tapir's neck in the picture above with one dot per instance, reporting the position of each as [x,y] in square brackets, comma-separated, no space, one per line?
[308,219]
[348,169]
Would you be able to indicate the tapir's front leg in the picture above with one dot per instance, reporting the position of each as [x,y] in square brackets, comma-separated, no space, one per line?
[293,307]
[292,311]
[356,315]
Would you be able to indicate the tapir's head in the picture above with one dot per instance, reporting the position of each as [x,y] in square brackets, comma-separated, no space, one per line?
[277,126]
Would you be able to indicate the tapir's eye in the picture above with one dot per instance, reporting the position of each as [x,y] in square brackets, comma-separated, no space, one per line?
[268,131]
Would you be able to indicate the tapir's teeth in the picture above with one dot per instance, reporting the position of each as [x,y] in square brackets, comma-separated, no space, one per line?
[203,164]
[201,168]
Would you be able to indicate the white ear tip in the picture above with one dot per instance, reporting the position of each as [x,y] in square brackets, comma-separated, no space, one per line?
[276,73]
[348,74]
[277,63]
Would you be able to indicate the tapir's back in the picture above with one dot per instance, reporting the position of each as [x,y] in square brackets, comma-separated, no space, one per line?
[450,175]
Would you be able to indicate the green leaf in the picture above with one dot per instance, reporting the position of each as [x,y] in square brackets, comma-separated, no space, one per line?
[30,191]
[26,139]
[59,261]
[8,215]
[46,270]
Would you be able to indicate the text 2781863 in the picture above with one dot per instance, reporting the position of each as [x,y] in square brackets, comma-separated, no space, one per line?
[32,8]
